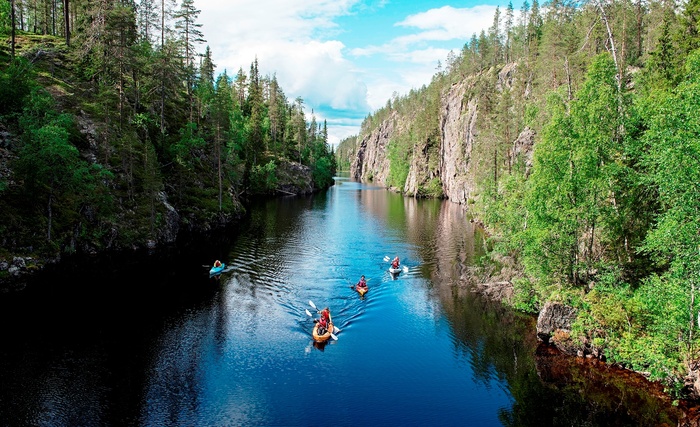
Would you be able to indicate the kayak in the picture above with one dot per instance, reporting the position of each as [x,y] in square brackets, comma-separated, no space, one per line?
[394,270]
[361,290]
[217,270]
[324,337]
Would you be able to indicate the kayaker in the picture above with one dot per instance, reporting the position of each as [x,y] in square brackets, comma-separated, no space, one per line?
[395,263]
[217,263]
[326,315]
[362,283]
[324,321]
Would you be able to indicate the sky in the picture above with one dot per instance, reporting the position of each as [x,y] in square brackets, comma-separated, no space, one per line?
[344,58]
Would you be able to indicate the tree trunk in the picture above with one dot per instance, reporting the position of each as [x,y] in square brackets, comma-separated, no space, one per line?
[12,42]
[218,159]
[692,304]
[613,50]
[66,18]
[50,214]
[495,168]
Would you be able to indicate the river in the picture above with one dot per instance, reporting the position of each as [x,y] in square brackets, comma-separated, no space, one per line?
[153,341]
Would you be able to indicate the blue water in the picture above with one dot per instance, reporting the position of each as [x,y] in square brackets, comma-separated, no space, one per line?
[394,362]
[161,344]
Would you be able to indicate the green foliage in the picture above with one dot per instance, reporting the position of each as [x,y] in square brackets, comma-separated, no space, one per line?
[525,296]
[346,152]
[323,172]
[189,144]
[264,178]
[568,201]
[53,173]
[433,189]
[5,17]
[15,86]
[643,328]
[673,163]
[398,153]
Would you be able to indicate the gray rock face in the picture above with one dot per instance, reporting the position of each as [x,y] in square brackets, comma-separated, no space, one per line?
[452,164]
[458,119]
[371,162]
[168,233]
[554,317]
[294,178]
[524,147]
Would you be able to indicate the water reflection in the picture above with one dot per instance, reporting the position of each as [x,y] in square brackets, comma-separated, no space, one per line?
[173,347]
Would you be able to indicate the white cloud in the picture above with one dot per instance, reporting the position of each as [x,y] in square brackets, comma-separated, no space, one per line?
[338,133]
[443,24]
[448,23]
[300,43]
[241,24]
[430,55]
[320,74]
[280,34]
[412,56]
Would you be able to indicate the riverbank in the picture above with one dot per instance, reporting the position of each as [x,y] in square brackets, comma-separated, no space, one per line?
[17,269]
[559,354]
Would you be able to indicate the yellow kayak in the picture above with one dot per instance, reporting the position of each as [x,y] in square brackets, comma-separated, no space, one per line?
[322,337]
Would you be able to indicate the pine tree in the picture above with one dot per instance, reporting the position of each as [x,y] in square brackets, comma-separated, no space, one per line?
[190,35]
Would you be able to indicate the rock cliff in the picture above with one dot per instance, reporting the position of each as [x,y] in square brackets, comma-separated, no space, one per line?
[371,162]
[459,123]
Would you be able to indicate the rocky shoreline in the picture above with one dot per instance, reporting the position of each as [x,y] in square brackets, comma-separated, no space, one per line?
[553,329]
[16,272]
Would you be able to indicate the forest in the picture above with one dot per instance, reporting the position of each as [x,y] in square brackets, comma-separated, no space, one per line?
[116,131]
[604,215]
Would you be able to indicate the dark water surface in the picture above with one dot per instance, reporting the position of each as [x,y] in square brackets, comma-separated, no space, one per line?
[158,343]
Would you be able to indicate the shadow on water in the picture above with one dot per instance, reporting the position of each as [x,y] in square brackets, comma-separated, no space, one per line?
[548,387]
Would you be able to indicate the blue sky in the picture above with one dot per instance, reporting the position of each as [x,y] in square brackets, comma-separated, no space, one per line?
[344,58]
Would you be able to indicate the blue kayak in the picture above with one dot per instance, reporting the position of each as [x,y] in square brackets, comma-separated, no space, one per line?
[217,270]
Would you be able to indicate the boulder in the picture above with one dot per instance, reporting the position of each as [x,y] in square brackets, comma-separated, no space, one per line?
[554,318]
